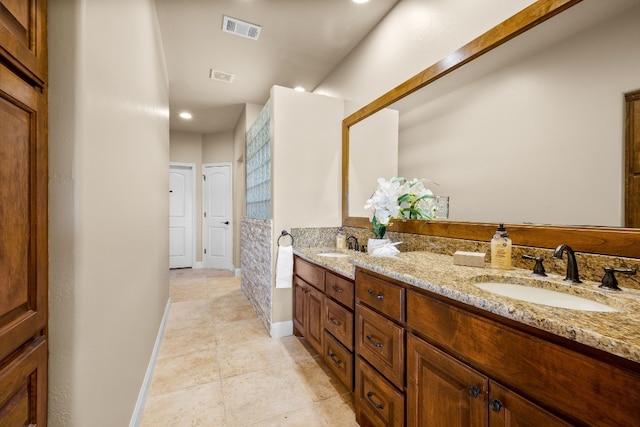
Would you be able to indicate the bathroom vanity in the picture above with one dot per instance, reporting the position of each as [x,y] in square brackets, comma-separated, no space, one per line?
[432,348]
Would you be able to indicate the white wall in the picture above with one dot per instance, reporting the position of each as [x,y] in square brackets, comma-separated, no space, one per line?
[413,36]
[217,148]
[108,212]
[306,168]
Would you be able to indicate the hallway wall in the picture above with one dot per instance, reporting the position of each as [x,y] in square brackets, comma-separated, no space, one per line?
[108,210]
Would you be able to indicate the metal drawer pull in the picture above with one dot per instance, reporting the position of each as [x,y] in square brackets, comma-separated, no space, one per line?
[333,357]
[334,321]
[377,405]
[377,344]
[378,296]
[337,289]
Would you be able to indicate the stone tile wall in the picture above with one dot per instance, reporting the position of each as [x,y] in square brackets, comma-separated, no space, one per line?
[256,261]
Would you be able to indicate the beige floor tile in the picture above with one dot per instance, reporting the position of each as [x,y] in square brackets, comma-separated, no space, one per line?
[319,381]
[297,348]
[218,366]
[241,330]
[337,411]
[198,406]
[241,357]
[184,371]
[178,341]
[305,417]
[264,394]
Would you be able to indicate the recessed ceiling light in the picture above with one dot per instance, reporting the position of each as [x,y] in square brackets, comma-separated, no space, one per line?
[360,1]
[299,89]
[185,115]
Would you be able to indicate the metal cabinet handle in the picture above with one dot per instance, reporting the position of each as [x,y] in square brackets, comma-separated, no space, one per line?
[378,296]
[377,405]
[495,405]
[335,360]
[334,321]
[377,344]
[473,391]
[337,289]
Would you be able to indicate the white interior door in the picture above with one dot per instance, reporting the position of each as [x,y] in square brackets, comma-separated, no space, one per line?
[217,227]
[181,219]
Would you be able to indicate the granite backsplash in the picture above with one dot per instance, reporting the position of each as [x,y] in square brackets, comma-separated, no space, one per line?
[590,266]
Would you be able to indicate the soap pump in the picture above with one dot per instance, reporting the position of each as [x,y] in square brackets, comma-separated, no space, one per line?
[341,242]
[501,249]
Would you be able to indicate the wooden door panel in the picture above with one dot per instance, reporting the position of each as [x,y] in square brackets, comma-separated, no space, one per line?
[23,37]
[515,411]
[23,387]
[632,153]
[314,328]
[299,308]
[442,390]
[22,213]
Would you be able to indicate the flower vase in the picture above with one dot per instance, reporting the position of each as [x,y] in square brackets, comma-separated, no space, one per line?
[374,243]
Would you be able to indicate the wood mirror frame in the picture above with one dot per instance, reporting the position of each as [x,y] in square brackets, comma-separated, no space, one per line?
[598,240]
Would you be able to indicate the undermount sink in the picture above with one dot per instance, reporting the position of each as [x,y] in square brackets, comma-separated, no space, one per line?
[333,254]
[544,296]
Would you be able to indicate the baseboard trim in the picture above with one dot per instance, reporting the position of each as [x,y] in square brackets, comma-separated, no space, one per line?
[197,265]
[281,329]
[148,376]
[237,272]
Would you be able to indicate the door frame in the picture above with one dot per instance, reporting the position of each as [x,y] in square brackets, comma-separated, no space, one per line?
[194,224]
[231,207]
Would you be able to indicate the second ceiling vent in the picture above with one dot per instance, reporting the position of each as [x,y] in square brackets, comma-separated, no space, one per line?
[241,28]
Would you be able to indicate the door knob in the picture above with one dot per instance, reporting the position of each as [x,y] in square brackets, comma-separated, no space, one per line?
[225,223]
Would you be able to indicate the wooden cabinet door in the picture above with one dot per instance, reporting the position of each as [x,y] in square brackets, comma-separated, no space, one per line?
[23,36]
[441,391]
[314,330]
[23,249]
[23,213]
[508,409]
[299,305]
[23,386]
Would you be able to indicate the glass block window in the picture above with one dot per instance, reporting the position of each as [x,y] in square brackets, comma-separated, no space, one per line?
[259,166]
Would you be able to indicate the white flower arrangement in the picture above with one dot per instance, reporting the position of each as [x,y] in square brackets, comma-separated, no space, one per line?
[398,198]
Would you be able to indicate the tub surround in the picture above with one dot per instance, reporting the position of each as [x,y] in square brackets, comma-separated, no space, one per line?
[615,332]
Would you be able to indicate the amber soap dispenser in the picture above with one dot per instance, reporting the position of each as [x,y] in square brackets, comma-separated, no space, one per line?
[501,249]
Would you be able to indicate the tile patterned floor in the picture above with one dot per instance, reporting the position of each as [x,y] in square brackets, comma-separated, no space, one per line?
[218,367]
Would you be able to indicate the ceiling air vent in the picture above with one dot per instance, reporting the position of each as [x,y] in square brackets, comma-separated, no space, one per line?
[221,76]
[241,28]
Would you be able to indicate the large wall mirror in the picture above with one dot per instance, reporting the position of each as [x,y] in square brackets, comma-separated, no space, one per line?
[524,125]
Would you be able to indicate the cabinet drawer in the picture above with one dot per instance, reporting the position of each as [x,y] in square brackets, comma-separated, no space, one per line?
[339,321]
[378,403]
[312,274]
[341,290]
[381,343]
[382,296]
[339,359]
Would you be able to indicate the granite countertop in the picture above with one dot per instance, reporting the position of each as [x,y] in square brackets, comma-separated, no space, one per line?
[614,332]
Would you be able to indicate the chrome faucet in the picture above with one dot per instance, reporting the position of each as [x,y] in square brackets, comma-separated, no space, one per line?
[572,265]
